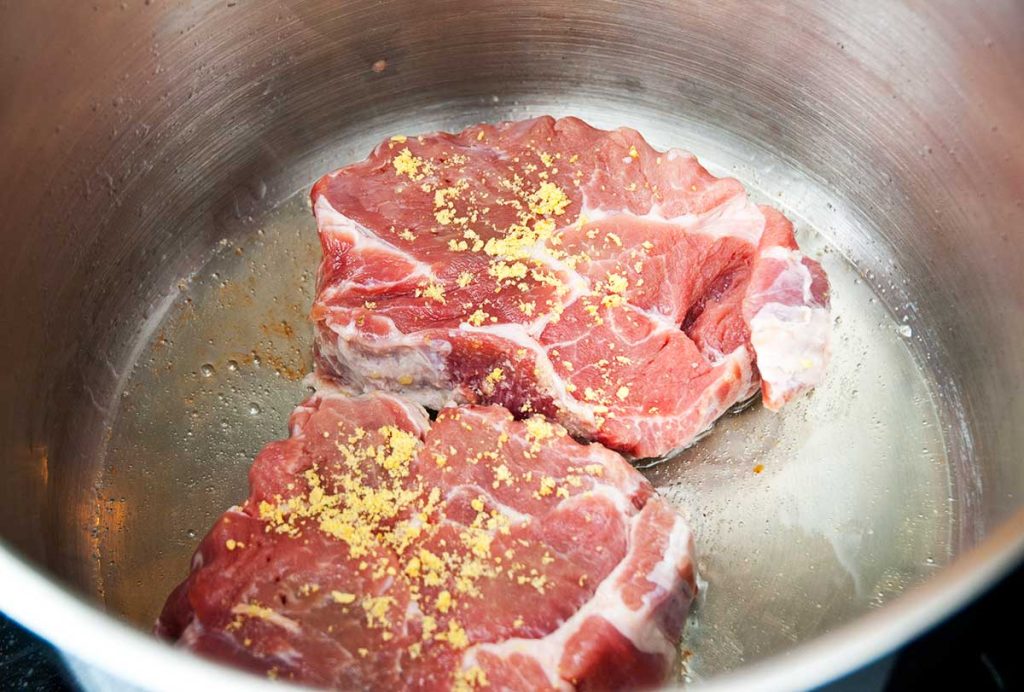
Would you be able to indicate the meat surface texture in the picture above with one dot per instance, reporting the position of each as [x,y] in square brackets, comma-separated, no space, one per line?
[379,550]
[554,268]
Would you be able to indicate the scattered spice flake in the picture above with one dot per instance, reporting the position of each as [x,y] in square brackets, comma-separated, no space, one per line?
[400,139]
[549,200]
[429,625]
[622,393]
[617,283]
[478,542]
[444,216]
[504,271]
[455,636]
[407,235]
[407,164]
[465,279]
[758,468]
[502,475]
[433,291]
[470,679]
[442,195]
[478,318]
[376,609]
[343,598]
[593,310]
[633,153]
[544,227]
[496,375]
[547,486]
[538,429]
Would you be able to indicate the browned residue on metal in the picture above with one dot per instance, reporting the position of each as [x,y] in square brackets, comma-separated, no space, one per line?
[233,294]
[294,366]
[282,328]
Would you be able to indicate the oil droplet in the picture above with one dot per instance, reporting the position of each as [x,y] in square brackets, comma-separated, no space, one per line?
[254,409]
[191,533]
[905,331]
[207,370]
[256,361]
[233,365]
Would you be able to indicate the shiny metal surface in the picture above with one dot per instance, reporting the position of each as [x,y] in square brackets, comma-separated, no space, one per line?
[137,136]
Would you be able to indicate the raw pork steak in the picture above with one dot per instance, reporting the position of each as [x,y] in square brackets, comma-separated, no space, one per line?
[376,550]
[551,267]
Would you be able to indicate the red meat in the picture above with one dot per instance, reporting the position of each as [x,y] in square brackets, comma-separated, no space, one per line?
[555,268]
[378,550]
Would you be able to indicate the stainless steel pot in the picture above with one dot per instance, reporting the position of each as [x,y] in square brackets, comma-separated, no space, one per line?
[144,140]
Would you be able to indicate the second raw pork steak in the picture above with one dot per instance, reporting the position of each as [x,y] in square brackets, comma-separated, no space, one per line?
[379,551]
[555,268]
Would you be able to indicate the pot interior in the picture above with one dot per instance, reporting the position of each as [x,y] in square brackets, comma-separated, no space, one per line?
[165,253]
